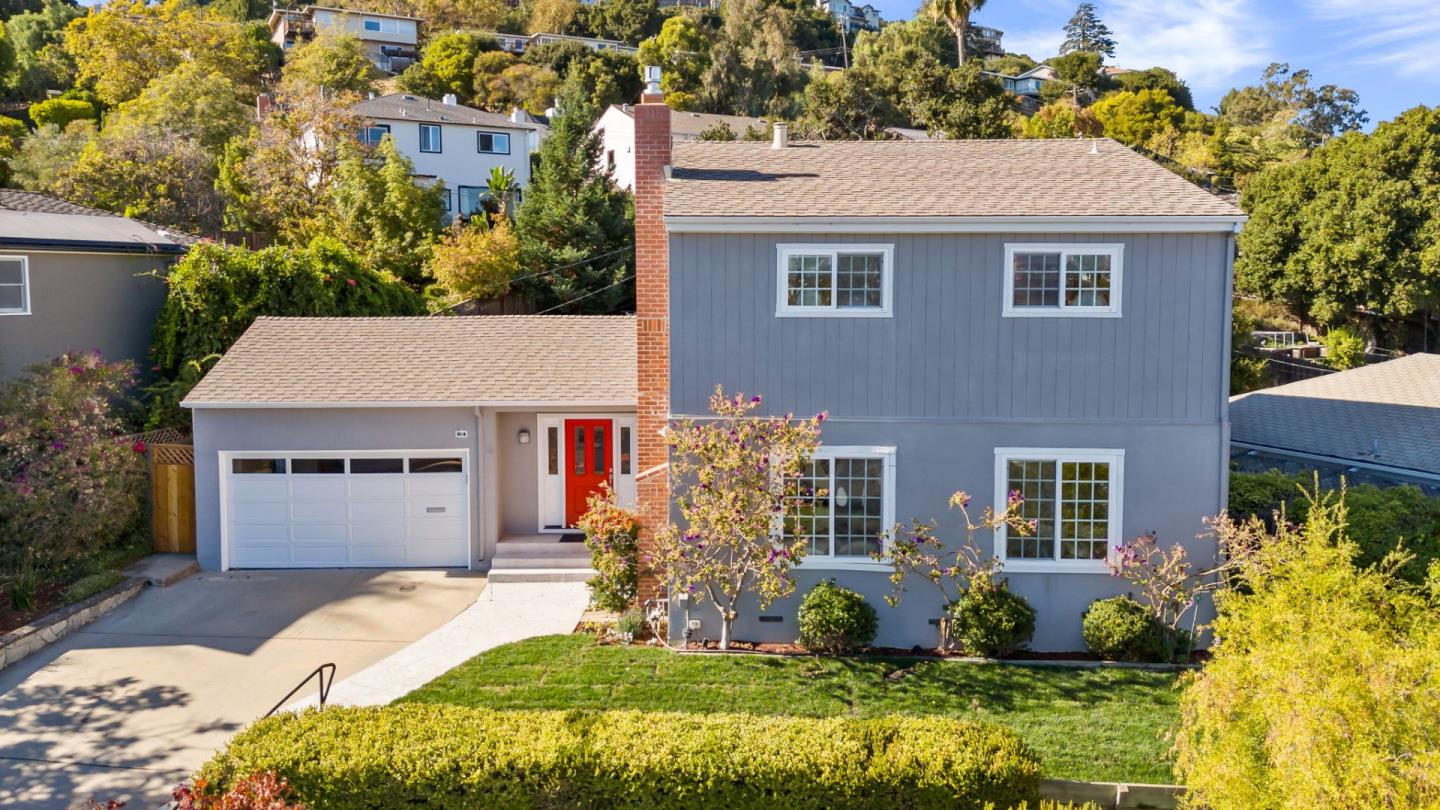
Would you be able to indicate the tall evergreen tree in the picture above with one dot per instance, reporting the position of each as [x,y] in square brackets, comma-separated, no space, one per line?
[1085,32]
[573,217]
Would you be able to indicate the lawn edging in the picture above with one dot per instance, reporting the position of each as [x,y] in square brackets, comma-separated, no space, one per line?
[50,628]
[1059,663]
[1112,795]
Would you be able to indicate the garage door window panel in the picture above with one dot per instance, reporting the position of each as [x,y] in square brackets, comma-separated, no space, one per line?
[377,466]
[258,466]
[436,465]
[317,466]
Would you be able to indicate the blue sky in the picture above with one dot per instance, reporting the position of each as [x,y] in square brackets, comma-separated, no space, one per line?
[1387,50]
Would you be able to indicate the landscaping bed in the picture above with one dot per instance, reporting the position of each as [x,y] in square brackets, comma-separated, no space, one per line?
[1088,724]
[779,648]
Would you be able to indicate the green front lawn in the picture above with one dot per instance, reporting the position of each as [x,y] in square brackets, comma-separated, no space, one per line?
[1093,724]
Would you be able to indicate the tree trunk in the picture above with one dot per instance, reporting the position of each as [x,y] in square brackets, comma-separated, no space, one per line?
[725,631]
[962,27]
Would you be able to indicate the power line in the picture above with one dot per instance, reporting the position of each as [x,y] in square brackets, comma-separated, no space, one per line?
[586,295]
[551,271]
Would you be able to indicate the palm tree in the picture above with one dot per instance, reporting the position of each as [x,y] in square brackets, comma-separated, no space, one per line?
[956,14]
[501,185]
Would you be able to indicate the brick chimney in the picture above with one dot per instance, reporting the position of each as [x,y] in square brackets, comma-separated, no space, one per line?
[652,311]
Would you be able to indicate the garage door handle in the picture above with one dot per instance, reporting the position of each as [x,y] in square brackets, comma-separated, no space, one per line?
[433,509]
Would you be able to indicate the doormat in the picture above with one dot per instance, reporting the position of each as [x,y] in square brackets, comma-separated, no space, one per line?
[572,538]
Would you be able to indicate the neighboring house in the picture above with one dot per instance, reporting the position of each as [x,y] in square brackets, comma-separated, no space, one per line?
[1026,84]
[1047,317]
[453,144]
[73,277]
[617,133]
[391,40]
[519,43]
[986,41]
[393,442]
[1378,424]
[852,17]
[907,134]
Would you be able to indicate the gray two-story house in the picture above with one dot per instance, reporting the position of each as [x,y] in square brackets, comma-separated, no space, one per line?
[1042,317]
[1048,317]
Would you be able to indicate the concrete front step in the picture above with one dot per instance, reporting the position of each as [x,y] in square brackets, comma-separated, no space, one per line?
[539,574]
[526,548]
[502,561]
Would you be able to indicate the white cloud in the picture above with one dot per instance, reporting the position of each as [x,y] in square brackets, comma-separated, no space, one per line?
[1400,34]
[1209,43]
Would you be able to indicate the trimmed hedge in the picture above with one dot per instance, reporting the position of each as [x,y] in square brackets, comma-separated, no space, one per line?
[412,755]
[835,620]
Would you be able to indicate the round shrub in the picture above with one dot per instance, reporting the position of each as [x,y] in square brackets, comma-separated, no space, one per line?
[1121,628]
[835,620]
[417,755]
[991,621]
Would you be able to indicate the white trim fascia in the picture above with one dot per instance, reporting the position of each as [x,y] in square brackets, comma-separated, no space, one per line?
[996,224]
[25,303]
[1339,461]
[1116,252]
[1114,456]
[785,250]
[482,403]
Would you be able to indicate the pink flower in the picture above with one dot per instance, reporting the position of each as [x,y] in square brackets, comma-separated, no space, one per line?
[138,447]
[349,282]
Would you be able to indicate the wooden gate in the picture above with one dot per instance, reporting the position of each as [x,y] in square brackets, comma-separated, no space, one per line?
[172,496]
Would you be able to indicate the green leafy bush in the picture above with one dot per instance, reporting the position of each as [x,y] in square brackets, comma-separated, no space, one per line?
[612,534]
[411,755]
[89,586]
[1344,348]
[1378,519]
[216,292]
[69,487]
[631,623]
[1122,629]
[835,620]
[1325,686]
[61,111]
[989,620]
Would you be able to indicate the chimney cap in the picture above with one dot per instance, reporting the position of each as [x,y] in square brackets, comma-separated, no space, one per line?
[652,80]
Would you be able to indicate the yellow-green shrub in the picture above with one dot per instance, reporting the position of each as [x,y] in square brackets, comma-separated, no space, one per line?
[406,756]
[1324,686]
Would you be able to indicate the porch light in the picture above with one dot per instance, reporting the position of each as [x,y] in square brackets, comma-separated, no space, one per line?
[524,435]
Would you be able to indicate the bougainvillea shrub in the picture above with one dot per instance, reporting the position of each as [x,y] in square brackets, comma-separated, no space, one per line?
[69,484]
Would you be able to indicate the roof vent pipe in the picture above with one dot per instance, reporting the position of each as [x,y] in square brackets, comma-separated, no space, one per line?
[782,135]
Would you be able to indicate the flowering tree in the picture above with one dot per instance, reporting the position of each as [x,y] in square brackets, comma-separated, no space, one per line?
[737,479]
[68,484]
[916,551]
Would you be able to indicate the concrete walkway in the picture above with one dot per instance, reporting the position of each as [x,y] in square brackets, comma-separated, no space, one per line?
[506,612]
[131,704]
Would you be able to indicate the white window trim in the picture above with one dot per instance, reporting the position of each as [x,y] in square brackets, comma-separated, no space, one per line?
[24,286]
[1115,251]
[1116,460]
[827,562]
[439,142]
[887,274]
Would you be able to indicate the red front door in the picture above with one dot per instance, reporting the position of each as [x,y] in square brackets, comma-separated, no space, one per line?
[588,456]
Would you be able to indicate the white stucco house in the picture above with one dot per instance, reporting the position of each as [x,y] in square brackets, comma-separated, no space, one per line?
[391,40]
[453,144]
[617,133]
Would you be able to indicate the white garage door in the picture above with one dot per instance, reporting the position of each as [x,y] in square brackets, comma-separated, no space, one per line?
[332,510]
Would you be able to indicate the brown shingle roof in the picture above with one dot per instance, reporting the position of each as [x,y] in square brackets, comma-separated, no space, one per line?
[408,107]
[999,178]
[464,360]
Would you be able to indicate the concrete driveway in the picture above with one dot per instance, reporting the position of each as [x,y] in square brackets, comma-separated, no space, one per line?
[132,704]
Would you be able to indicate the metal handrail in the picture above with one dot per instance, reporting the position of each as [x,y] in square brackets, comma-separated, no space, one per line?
[324,686]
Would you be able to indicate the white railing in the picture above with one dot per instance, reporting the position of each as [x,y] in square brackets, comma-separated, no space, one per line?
[1279,340]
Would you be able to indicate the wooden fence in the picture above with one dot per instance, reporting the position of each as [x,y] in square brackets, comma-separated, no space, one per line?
[172,496]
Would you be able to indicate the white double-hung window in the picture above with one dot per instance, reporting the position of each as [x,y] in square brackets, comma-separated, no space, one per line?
[14,285]
[1049,280]
[848,281]
[849,506]
[1073,498]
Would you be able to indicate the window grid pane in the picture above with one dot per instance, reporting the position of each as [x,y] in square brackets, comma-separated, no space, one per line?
[812,516]
[1087,280]
[858,280]
[1035,481]
[552,451]
[1036,280]
[1084,510]
[808,281]
[859,484]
